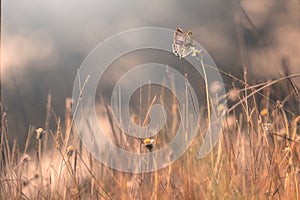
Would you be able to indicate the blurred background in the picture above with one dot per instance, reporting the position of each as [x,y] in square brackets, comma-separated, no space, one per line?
[45,42]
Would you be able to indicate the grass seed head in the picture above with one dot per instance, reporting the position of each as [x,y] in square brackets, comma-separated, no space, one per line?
[40,133]
[70,150]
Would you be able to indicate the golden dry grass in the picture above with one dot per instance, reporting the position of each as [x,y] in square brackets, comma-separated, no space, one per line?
[257,157]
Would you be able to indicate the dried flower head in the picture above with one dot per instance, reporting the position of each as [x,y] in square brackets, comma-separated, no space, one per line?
[40,133]
[148,143]
[215,87]
[264,112]
[70,150]
[235,192]
[233,95]
[267,126]
[279,104]
[287,149]
[267,193]
[221,109]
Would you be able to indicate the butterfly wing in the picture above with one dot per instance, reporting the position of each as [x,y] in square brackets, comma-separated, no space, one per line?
[182,43]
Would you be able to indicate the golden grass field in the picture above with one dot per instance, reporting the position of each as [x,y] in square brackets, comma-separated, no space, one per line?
[257,156]
[258,153]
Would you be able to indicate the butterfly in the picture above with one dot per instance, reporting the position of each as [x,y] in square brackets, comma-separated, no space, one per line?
[183,43]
